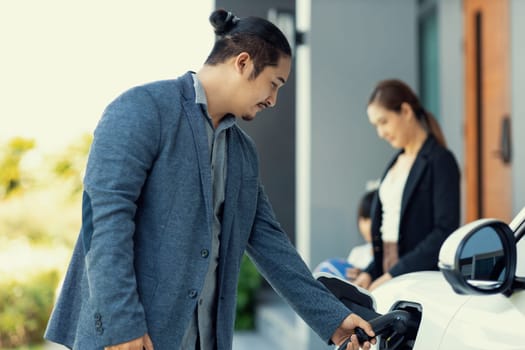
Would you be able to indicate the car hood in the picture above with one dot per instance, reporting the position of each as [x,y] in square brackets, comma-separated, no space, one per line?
[430,291]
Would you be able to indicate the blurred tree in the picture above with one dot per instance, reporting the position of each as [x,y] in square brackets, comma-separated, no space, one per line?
[38,228]
[10,157]
[70,165]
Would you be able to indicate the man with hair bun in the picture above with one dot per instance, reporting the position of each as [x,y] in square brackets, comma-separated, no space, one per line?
[172,200]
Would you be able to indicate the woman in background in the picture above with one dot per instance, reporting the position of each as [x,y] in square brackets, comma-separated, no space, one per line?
[418,202]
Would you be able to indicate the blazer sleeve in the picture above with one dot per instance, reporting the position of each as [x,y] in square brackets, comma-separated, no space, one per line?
[125,145]
[446,216]
[280,263]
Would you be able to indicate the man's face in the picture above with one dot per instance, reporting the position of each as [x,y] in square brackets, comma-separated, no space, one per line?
[256,94]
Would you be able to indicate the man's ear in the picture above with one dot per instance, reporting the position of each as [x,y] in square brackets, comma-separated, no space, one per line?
[243,63]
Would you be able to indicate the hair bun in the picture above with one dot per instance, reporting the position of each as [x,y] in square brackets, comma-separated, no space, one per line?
[223,21]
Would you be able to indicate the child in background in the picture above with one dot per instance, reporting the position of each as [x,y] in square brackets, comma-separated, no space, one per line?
[361,255]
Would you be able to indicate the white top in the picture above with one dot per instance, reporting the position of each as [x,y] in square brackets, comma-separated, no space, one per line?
[361,256]
[391,195]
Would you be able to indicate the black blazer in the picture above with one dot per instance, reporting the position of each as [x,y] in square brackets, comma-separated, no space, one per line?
[430,211]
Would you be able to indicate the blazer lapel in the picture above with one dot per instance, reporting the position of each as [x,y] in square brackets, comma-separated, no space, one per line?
[195,119]
[413,178]
[415,173]
[233,185]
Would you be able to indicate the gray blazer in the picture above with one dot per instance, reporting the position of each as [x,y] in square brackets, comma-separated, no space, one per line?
[140,260]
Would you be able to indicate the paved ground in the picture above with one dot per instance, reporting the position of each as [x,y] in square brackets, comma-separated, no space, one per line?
[251,341]
[241,341]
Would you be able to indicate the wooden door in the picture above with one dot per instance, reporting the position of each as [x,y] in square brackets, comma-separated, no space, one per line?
[487,124]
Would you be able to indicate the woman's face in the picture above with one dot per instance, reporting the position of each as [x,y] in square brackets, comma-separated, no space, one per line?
[393,127]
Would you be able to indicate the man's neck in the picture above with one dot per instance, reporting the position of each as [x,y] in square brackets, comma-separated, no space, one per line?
[215,87]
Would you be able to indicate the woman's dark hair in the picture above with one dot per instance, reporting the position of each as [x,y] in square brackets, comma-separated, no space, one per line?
[390,94]
[258,37]
[365,205]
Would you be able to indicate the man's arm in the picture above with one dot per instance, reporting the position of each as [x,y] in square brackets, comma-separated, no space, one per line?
[123,150]
[280,263]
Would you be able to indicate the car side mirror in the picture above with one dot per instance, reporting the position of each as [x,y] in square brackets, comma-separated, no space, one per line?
[479,258]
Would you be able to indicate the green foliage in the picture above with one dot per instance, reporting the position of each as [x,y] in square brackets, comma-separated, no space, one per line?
[46,212]
[249,283]
[25,307]
[39,221]
[11,179]
[69,166]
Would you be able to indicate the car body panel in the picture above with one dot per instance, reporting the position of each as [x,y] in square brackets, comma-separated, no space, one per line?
[473,320]
[430,290]
[488,322]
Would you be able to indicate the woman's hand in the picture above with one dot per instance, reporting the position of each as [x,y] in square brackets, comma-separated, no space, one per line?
[141,343]
[363,280]
[351,273]
[385,278]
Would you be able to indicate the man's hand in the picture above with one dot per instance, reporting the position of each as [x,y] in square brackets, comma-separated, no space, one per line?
[141,343]
[346,329]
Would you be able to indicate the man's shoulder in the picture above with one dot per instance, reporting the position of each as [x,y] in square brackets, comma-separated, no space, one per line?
[163,89]
[160,84]
[166,96]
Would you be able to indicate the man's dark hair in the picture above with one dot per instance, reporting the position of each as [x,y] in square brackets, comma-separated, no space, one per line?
[261,39]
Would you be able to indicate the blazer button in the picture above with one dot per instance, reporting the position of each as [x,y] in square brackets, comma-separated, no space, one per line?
[98,317]
[205,253]
[192,293]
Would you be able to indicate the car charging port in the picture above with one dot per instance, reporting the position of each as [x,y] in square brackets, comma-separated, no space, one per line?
[407,339]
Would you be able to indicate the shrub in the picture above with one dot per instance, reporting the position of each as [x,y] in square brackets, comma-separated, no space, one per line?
[249,283]
[25,307]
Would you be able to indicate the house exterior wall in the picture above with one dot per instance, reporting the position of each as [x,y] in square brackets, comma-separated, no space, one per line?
[347,52]
[350,52]
[451,58]
[517,77]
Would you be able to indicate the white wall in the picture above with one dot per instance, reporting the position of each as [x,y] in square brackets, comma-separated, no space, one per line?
[62,62]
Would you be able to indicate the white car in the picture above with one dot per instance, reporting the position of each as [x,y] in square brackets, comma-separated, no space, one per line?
[476,301]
